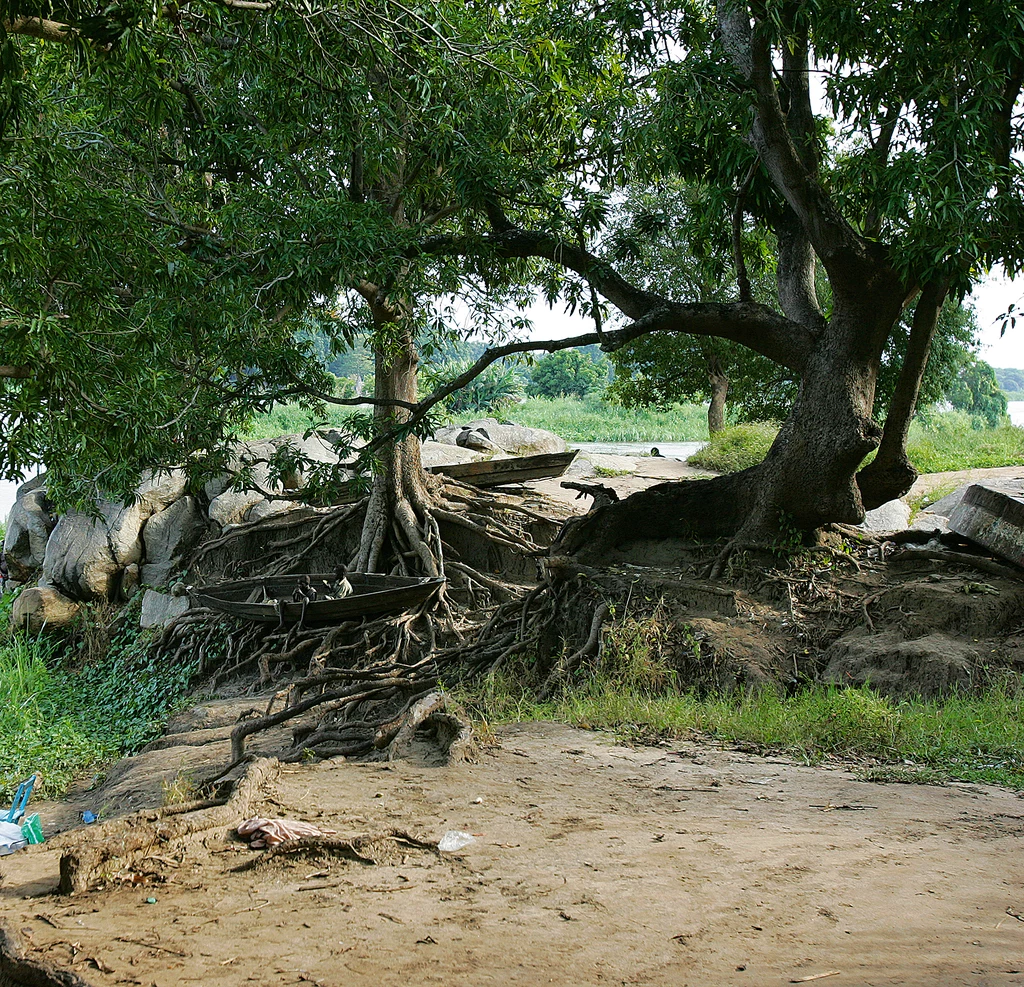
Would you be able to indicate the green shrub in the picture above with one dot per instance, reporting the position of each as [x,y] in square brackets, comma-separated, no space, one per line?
[64,711]
[736,448]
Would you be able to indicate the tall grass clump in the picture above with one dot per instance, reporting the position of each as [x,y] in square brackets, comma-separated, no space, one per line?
[736,448]
[591,419]
[69,706]
[953,440]
[38,729]
[976,738]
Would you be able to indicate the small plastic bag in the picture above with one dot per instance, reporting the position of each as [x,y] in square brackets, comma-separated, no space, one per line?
[454,840]
[32,829]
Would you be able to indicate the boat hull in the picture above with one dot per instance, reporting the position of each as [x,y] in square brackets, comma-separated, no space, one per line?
[501,472]
[372,595]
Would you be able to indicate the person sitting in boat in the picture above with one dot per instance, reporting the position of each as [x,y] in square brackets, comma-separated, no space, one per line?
[340,587]
[304,590]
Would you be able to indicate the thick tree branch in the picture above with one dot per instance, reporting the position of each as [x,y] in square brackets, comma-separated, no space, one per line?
[890,474]
[39,27]
[755,326]
[742,278]
[15,371]
[846,256]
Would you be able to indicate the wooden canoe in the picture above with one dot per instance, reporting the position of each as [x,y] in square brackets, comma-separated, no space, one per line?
[500,472]
[993,519]
[372,595]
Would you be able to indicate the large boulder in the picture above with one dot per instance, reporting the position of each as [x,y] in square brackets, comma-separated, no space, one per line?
[894,515]
[232,506]
[79,560]
[932,665]
[168,536]
[316,447]
[85,555]
[442,454]
[40,606]
[29,525]
[271,508]
[516,440]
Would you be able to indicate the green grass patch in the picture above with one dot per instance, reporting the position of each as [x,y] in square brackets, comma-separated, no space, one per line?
[736,448]
[293,419]
[590,419]
[64,711]
[974,738]
[949,441]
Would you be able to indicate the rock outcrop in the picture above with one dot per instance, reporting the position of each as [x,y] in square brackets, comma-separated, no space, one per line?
[120,548]
[29,526]
[43,606]
[514,440]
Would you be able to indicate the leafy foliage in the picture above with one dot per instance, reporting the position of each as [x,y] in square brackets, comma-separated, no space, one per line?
[567,373]
[65,712]
[493,392]
[976,391]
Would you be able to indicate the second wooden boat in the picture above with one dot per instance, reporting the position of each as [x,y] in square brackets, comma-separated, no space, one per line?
[500,472]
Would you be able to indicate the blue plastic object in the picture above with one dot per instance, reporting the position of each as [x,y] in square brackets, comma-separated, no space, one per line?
[88,817]
[21,796]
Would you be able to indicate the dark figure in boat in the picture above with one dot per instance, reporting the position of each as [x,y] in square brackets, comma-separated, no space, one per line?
[339,587]
[304,590]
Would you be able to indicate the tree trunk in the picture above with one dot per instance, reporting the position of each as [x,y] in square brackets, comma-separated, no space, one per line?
[808,478]
[399,532]
[719,391]
[891,474]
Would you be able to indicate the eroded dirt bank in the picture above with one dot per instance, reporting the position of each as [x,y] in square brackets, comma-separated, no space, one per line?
[593,863]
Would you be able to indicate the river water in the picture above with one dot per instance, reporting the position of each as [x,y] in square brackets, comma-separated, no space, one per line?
[671,450]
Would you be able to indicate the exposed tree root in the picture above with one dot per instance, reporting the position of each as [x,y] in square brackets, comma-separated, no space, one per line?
[370,850]
[112,847]
[19,968]
[366,688]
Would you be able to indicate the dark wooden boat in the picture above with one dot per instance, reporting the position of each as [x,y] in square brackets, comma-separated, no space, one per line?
[500,472]
[372,595]
[993,519]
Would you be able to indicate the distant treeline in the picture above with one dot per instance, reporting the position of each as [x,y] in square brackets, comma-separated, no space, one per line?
[1011,381]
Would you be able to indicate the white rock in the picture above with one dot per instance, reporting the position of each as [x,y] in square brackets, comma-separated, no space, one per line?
[231,507]
[270,508]
[161,608]
[893,515]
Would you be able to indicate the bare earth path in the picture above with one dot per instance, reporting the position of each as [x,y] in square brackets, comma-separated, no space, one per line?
[593,863]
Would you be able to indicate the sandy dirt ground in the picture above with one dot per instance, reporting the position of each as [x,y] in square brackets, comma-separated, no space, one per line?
[592,863]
